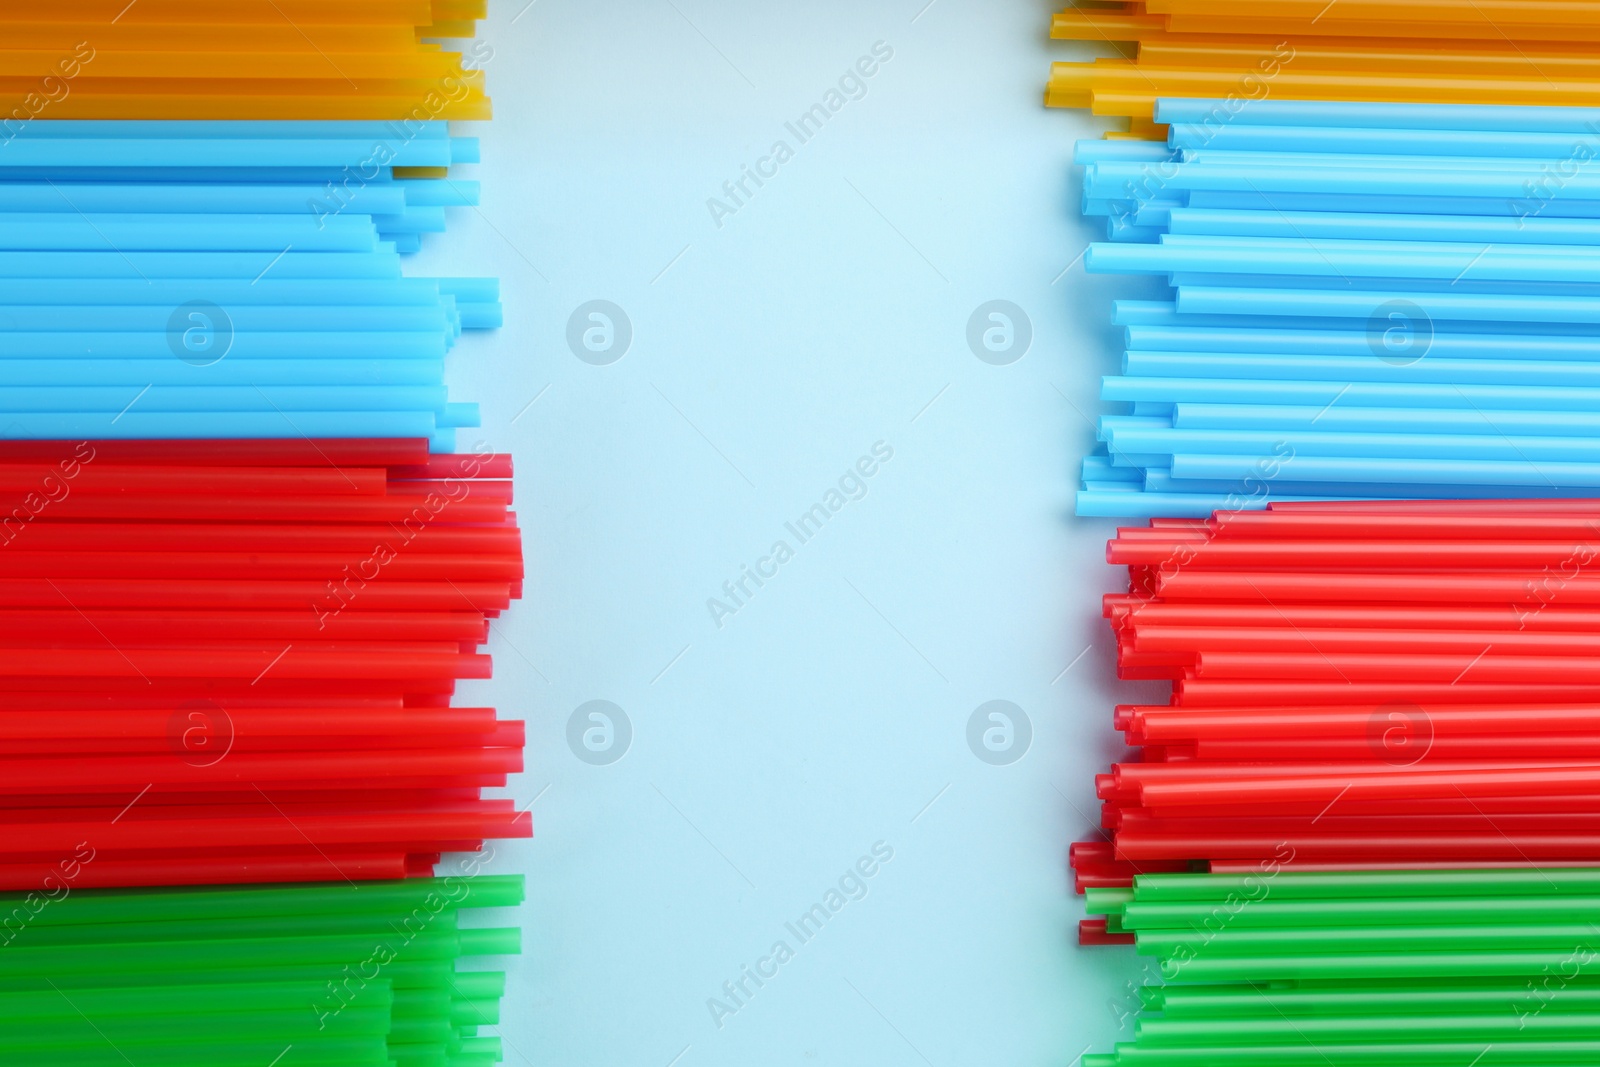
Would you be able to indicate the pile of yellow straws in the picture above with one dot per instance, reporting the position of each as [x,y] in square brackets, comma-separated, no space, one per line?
[240,59]
[1403,51]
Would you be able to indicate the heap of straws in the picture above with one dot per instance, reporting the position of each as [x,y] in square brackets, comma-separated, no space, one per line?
[1363,429]
[1368,301]
[243,559]
[225,279]
[1384,51]
[1283,969]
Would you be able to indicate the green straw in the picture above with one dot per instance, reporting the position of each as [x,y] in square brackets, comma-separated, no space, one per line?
[1381,884]
[1269,913]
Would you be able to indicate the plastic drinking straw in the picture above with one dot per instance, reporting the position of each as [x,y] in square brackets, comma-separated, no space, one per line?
[1342,641]
[264,565]
[1388,115]
[125,727]
[1353,457]
[1507,233]
[266,830]
[219,145]
[331,372]
[166,538]
[323,345]
[1207,300]
[1519,145]
[1534,722]
[1220,550]
[35,774]
[1202,416]
[1348,257]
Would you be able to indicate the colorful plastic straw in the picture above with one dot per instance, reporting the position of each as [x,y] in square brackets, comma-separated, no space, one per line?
[248,652]
[326,975]
[248,59]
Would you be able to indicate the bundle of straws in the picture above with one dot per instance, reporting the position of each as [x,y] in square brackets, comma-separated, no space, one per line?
[1366,685]
[1283,969]
[241,566]
[245,654]
[1396,51]
[1369,301]
[1380,230]
[230,279]
[330,975]
[245,59]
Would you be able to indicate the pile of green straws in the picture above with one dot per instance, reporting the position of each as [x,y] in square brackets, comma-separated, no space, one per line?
[1421,968]
[325,975]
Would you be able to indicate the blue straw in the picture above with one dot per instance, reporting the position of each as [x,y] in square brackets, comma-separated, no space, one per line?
[1377,116]
[1352,418]
[170,425]
[227,371]
[1173,390]
[1358,368]
[288,344]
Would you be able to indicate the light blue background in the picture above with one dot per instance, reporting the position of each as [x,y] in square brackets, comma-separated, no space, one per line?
[830,713]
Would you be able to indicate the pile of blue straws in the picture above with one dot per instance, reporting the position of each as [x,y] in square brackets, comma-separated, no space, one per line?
[1370,300]
[230,279]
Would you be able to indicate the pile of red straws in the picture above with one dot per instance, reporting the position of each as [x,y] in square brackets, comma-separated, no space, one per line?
[1358,685]
[234,663]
